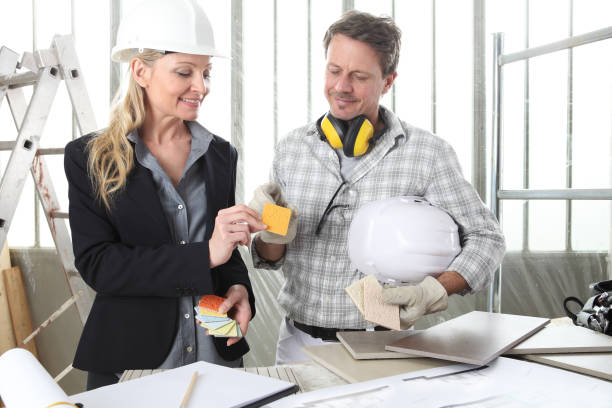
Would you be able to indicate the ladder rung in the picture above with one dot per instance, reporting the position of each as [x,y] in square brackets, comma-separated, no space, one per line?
[7,145]
[4,146]
[51,150]
[559,194]
[19,80]
[59,214]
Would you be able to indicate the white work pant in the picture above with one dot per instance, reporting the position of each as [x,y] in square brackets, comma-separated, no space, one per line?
[290,342]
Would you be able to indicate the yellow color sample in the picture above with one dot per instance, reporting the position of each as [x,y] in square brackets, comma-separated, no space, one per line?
[208,312]
[276,218]
[224,330]
[232,333]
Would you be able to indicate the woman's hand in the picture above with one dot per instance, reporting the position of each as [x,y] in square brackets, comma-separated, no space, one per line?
[233,227]
[237,306]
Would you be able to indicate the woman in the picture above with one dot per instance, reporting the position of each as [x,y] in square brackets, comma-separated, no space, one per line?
[152,210]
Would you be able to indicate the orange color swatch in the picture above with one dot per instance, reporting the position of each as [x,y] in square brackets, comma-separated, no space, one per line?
[211,302]
[276,218]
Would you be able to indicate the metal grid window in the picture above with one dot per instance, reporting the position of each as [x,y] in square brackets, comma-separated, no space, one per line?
[556,117]
[273,83]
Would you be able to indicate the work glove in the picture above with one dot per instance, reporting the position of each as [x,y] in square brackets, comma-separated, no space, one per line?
[271,193]
[429,296]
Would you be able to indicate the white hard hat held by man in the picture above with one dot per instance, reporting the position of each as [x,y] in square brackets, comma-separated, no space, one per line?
[402,240]
[357,153]
[405,242]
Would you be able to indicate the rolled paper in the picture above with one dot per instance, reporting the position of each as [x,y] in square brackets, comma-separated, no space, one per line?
[24,382]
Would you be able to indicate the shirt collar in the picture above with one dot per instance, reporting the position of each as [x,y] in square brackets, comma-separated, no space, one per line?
[393,126]
[200,140]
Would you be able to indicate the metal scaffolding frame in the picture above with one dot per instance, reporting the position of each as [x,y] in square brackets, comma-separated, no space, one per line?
[497,193]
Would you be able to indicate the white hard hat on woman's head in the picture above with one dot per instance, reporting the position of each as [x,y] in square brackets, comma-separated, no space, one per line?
[165,25]
[402,239]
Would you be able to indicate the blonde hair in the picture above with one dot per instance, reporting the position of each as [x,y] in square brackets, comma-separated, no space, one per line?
[111,156]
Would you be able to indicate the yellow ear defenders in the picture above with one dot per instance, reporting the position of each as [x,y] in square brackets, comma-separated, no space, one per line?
[352,137]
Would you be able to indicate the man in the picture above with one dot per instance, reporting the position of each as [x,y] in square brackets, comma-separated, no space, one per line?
[321,170]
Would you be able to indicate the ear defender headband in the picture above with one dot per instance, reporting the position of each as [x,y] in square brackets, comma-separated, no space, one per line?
[352,137]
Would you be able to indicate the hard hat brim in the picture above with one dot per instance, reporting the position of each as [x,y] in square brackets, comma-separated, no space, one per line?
[126,53]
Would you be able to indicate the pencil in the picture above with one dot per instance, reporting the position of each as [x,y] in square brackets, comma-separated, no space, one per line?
[189,389]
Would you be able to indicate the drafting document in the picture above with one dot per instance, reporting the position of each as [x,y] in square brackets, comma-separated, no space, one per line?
[216,386]
[504,383]
[365,394]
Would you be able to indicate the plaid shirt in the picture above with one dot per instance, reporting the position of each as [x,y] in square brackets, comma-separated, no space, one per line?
[405,161]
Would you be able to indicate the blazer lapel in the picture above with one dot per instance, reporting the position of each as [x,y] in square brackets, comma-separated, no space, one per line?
[143,192]
[217,174]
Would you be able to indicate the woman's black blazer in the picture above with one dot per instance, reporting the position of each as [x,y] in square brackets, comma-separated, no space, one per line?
[127,256]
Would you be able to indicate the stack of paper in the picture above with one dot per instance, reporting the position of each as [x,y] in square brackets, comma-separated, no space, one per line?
[218,324]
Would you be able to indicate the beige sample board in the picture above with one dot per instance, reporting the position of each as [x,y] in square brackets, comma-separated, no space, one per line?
[7,335]
[564,339]
[366,294]
[594,364]
[377,311]
[355,292]
[473,338]
[367,345]
[18,305]
[335,358]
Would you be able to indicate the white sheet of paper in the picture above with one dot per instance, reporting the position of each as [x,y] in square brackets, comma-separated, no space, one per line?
[505,382]
[216,386]
[363,394]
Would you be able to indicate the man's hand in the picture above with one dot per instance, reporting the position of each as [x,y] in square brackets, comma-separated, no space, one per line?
[237,306]
[271,193]
[429,296]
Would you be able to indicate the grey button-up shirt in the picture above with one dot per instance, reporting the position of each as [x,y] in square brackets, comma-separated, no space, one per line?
[405,161]
[185,210]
